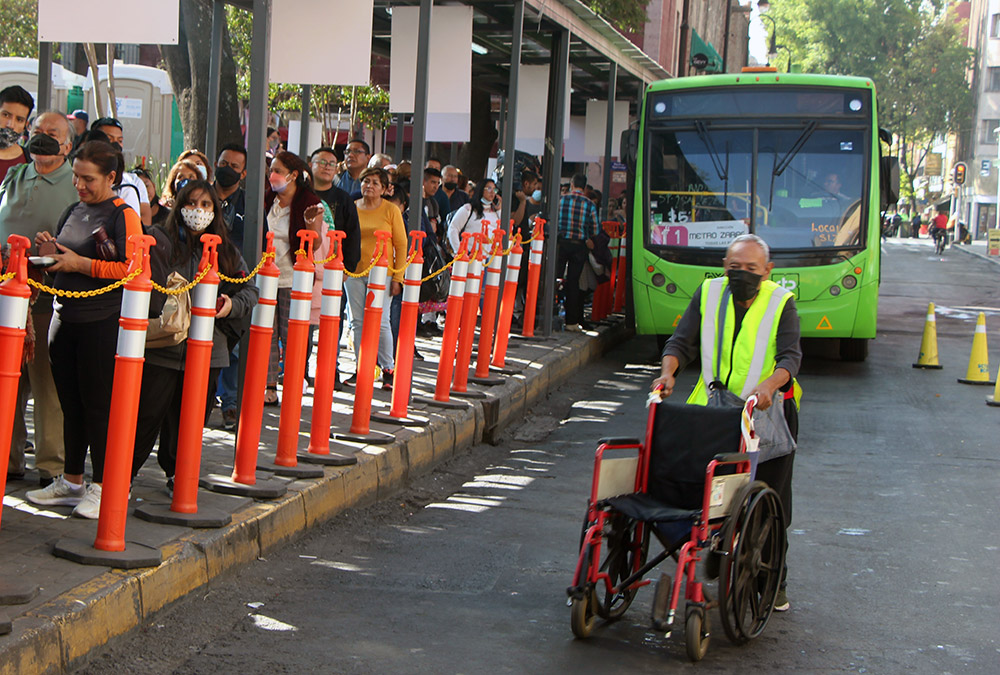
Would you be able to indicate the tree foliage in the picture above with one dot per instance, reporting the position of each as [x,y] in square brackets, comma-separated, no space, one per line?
[627,15]
[913,50]
[19,19]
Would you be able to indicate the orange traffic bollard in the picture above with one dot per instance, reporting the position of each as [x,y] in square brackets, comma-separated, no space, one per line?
[286,461]
[507,303]
[364,390]
[244,481]
[109,547]
[534,273]
[467,326]
[620,270]
[491,295]
[408,317]
[453,317]
[183,509]
[326,359]
[14,295]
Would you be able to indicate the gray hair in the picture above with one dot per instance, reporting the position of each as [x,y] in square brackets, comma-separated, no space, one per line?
[70,131]
[379,160]
[751,238]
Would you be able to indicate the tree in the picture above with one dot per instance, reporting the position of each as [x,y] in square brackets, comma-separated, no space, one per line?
[187,64]
[626,15]
[913,50]
[20,21]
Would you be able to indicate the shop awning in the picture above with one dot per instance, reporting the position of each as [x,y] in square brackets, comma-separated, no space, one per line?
[703,55]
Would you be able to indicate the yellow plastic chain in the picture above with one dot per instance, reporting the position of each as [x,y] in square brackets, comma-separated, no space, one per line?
[85,294]
[7,277]
[440,271]
[405,264]
[182,289]
[376,254]
[318,262]
[253,272]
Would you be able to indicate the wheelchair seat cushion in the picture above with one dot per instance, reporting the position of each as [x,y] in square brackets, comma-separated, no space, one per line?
[647,508]
[685,439]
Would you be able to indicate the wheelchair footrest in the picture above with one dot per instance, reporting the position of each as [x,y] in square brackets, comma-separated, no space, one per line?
[661,603]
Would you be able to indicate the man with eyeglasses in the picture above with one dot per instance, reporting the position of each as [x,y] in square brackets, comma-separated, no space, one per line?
[131,189]
[356,158]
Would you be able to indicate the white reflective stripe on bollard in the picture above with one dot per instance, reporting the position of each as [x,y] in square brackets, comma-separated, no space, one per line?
[302,282]
[13,312]
[299,309]
[205,295]
[135,305]
[457,286]
[411,293]
[202,328]
[131,343]
[472,283]
[268,286]
[513,267]
[330,306]
[263,316]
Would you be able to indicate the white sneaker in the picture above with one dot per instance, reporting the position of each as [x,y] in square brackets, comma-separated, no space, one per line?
[60,492]
[90,505]
[574,328]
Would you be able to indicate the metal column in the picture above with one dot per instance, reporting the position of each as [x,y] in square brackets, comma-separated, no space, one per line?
[44,101]
[214,78]
[609,140]
[510,121]
[554,131]
[420,115]
[397,156]
[304,122]
[253,221]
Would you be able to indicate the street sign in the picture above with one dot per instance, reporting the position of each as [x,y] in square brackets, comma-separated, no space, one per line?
[984,167]
[993,239]
[932,164]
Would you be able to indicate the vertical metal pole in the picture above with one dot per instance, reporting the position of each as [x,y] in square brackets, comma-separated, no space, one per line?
[725,39]
[554,132]
[260,47]
[44,101]
[510,124]
[400,133]
[609,139]
[420,114]
[502,122]
[304,122]
[214,78]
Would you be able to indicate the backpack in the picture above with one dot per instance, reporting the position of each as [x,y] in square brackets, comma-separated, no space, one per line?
[447,220]
[436,289]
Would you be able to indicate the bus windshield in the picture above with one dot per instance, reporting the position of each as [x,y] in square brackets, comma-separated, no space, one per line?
[797,184]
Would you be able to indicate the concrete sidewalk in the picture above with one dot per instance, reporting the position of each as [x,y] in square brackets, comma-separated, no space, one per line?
[79,608]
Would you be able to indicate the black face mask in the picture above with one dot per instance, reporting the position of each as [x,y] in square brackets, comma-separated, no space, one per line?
[743,284]
[450,186]
[226,177]
[8,137]
[43,145]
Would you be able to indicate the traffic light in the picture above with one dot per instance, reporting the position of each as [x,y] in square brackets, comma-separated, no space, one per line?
[960,169]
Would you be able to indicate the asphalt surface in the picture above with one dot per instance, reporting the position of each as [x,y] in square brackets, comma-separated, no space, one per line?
[894,547]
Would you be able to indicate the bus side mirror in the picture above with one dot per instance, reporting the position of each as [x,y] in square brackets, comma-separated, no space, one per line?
[889,181]
[630,148]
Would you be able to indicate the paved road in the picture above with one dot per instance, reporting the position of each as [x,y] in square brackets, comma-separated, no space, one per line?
[894,548]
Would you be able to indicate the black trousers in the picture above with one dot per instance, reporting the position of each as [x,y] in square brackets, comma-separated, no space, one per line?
[82,356]
[572,254]
[777,473]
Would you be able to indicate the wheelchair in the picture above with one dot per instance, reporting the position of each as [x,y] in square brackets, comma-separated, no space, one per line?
[688,488]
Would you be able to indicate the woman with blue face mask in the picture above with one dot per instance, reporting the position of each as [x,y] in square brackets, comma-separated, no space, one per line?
[484,205]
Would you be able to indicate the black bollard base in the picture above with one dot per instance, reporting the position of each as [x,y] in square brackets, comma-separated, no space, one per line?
[329,459]
[291,471]
[469,393]
[262,489]
[447,405]
[83,552]
[371,438]
[963,380]
[992,402]
[927,366]
[161,514]
[17,593]
[487,381]
[408,421]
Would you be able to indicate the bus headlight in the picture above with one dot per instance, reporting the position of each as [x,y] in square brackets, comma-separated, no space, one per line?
[849,282]
[835,290]
[658,279]
[671,288]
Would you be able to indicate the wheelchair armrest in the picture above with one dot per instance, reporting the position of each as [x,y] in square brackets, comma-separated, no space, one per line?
[732,458]
[613,440]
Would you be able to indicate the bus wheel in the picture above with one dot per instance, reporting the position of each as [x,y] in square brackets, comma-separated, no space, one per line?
[853,349]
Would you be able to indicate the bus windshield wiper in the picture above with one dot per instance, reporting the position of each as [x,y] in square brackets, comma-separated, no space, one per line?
[794,150]
[712,152]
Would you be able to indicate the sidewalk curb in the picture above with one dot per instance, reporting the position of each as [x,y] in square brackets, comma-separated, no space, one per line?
[969,251]
[60,634]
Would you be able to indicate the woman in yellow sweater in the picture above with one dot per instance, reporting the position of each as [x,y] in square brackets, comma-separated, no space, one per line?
[375,213]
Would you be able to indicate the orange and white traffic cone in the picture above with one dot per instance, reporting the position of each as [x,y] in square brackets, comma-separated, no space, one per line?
[326,359]
[109,547]
[14,295]
[928,357]
[491,295]
[534,273]
[243,481]
[183,509]
[467,327]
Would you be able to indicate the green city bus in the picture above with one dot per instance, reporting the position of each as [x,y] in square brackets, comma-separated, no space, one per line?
[792,158]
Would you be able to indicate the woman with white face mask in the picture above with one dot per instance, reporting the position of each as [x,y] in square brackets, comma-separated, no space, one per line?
[197,211]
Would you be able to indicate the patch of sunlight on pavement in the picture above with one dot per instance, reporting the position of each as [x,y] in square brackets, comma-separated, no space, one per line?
[603,406]
[500,480]
[336,565]
[21,505]
[469,508]
[267,623]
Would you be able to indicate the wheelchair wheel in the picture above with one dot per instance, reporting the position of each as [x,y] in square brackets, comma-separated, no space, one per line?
[624,552]
[697,632]
[582,616]
[754,543]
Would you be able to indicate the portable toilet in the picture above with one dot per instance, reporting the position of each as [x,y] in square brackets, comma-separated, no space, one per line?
[68,88]
[145,108]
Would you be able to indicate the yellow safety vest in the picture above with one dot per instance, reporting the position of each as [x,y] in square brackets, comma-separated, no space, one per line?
[748,361]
